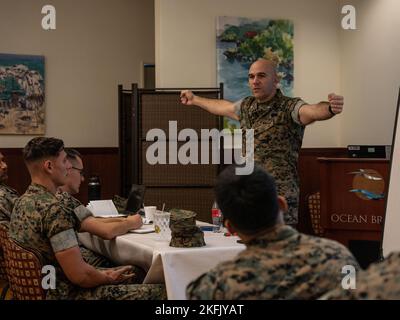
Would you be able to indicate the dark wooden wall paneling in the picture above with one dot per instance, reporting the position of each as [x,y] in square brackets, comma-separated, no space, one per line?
[97,161]
[105,163]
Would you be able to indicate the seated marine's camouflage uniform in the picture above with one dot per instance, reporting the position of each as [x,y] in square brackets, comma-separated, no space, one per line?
[8,196]
[94,259]
[282,264]
[90,257]
[381,281]
[41,222]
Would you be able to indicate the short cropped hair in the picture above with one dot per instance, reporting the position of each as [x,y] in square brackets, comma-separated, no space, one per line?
[250,202]
[72,154]
[42,147]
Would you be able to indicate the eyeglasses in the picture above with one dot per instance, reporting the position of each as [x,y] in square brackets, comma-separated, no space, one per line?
[81,171]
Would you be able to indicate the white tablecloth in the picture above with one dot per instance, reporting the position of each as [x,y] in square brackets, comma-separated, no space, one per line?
[176,266]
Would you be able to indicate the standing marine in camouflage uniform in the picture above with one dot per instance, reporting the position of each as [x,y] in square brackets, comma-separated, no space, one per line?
[381,281]
[278,262]
[278,124]
[278,135]
[8,195]
[39,221]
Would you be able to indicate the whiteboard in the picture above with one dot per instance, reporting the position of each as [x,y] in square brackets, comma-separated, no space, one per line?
[391,231]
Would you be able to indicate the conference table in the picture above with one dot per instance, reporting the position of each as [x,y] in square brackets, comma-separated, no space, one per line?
[177,267]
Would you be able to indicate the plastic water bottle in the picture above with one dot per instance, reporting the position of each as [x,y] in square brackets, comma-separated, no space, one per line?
[94,188]
[216,218]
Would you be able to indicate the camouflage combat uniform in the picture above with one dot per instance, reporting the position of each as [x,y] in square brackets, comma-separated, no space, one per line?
[281,264]
[8,196]
[90,257]
[278,135]
[41,222]
[381,281]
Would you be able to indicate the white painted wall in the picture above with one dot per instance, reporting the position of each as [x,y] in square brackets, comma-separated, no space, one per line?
[362,64]
[185,33]
[370,72]
[101,43]
[97,45]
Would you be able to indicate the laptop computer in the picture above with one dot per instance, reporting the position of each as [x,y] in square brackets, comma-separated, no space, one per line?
[135,199]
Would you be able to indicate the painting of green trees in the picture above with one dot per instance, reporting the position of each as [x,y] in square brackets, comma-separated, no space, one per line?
[240,42]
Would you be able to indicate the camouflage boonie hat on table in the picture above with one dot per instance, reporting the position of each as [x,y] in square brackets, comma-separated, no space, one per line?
[184,232]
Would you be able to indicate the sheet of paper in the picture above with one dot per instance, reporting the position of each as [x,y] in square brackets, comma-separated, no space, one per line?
[103,208]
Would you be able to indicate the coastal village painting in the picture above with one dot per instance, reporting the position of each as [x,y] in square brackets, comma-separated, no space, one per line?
[241,41]
[22,94]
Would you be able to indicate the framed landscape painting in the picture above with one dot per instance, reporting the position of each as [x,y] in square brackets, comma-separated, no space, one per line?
[22,94]
[240,42]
